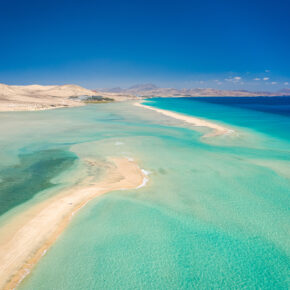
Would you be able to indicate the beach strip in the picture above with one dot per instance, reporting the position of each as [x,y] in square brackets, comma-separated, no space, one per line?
[22,250]
[216,128]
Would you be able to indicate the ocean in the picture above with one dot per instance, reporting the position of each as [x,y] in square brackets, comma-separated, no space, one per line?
[215,213]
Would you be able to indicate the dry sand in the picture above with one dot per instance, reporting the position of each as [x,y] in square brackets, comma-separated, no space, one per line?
[216,129]
[37,97]
[22,249]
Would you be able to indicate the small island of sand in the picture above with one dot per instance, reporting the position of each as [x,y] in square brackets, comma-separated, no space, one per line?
[24,247]
[216,128]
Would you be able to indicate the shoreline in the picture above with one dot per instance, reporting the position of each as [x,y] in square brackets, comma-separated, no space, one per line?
[35,107]
[217,129]
[21,251]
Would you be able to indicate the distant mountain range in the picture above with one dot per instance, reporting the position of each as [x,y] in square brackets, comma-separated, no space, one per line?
[151,90]
[37,97]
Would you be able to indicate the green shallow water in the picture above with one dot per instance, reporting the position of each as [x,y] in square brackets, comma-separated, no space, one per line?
[20,182]
[214,214]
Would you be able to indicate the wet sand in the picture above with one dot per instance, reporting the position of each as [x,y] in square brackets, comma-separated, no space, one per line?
[216,128]
[20,250]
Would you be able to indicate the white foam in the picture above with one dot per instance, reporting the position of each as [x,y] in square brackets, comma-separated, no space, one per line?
[144,182]
[229,132]
[118,143]
[146,172]
[145,179]
[27,271]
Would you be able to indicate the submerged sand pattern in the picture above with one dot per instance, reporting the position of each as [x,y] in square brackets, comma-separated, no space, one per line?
[20,251]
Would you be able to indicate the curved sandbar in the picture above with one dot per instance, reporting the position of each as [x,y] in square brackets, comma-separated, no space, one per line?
[20,251]
[217,129]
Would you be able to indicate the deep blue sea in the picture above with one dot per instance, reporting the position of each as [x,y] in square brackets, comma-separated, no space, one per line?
[270,115]
[274,105]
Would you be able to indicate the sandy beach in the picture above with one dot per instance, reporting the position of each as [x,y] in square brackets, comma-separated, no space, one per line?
[216,129]
[21,249]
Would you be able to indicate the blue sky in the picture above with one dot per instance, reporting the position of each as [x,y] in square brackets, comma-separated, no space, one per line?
[235,44]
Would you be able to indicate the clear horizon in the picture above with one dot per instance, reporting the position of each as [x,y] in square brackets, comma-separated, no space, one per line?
[186,44]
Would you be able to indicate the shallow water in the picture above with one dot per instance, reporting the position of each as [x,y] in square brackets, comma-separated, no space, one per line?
[20,182]
[215,213]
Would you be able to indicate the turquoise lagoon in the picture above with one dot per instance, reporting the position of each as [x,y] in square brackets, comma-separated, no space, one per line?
[214,214]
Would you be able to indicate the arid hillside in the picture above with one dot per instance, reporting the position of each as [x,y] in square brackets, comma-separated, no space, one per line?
[37,97]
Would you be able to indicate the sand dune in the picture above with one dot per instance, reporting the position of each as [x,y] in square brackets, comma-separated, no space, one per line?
[38,90]
[22,249]
[37,97]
